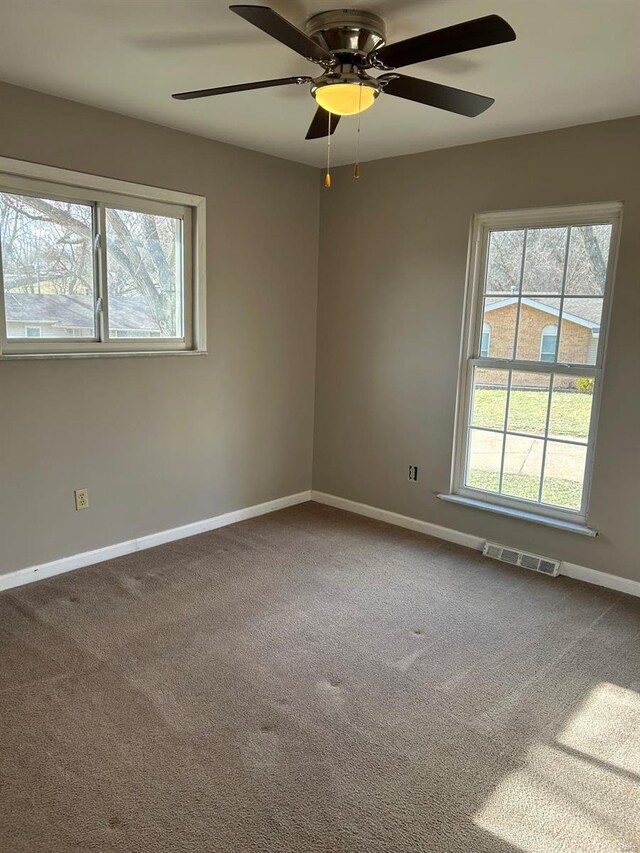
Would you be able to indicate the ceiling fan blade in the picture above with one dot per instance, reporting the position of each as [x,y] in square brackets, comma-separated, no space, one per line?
[319,126]
[279,28]
[481,32]
[435,95]
[240,87]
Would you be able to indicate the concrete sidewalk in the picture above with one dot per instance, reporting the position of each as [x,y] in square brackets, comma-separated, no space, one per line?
[524,456]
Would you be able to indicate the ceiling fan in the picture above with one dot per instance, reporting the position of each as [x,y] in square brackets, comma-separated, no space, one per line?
[347,43]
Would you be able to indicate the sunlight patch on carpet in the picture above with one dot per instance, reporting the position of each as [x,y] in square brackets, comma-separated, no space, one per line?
[580,792]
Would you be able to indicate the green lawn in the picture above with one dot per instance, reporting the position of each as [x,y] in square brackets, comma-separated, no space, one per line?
[569,418]
[570,411]
[565,493]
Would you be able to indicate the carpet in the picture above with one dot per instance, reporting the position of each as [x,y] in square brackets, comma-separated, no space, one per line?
[315,681]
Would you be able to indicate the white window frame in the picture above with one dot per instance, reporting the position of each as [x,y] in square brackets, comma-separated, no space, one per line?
[481,227]
[21,177]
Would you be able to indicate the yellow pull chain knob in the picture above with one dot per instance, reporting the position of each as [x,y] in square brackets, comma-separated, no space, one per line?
[327,180]
[356,170]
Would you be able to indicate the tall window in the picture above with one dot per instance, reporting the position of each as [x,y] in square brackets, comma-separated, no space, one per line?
[525,433]
[92,266]
[548,343]
[486,340]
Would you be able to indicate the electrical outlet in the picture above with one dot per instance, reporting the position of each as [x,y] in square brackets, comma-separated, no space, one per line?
[82,498]
[413,473]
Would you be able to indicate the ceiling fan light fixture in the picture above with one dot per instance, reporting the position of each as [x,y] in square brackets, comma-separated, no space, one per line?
[345,99]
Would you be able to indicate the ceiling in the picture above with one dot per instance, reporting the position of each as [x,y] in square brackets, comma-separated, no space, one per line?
[574,62]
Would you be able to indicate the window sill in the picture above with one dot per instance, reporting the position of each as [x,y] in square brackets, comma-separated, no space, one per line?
[523,515]
[20,356]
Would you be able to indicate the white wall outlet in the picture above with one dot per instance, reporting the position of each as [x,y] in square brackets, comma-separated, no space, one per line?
[82,498]
[413,473]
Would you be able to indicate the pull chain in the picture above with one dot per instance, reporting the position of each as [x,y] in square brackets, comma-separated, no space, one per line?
[327,177]
[356,167]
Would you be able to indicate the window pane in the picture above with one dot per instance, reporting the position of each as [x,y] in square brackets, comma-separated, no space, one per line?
[548,344]
[47,260]
[489,398]
[522,467]
[571,403]
[500,318]
[580,330]
[588,257]
[564,474]
[528,402]
[144,272]
[483,461]
[544,260]
[504,263]
[536,315]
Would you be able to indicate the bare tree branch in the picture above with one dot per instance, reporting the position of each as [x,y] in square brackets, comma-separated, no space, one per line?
[594,252]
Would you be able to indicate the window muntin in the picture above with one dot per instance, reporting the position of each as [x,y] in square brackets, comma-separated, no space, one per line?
[526,431]
[97,271]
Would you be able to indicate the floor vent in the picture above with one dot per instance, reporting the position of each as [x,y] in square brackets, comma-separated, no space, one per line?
[521,558]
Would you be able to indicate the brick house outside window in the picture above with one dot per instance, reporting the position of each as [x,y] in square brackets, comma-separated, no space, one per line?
[579,337]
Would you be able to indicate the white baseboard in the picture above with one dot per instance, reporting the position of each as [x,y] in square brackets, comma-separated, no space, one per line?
[99,555]
[89,558]
[615,582]
[571,570]
[400,520]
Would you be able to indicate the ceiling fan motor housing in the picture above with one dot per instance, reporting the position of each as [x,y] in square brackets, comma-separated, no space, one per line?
[352,32]
[350,35]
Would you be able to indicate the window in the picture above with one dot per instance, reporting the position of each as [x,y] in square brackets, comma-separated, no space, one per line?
[527,412]
[95,266]
[486,340]
[548,343]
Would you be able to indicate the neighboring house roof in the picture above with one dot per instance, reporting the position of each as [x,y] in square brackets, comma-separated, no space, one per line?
[74,312]
[589,309]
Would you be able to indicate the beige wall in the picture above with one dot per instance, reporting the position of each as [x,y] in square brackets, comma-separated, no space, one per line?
[160,442]
[393,251]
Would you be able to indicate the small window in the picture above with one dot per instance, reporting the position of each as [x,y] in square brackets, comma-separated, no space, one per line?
[530,384]
[548,343]
[486,340]
[93,266]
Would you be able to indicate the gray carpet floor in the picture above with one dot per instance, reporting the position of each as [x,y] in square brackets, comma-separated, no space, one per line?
[315,681]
